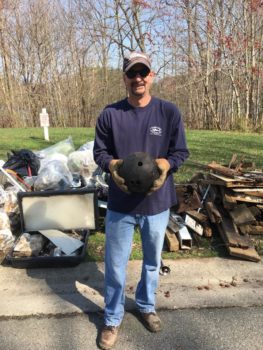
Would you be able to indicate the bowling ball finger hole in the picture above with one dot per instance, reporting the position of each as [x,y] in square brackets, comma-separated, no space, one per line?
[135,182]
[140,163]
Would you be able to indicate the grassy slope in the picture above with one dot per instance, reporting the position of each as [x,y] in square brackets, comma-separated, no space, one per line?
[204,146]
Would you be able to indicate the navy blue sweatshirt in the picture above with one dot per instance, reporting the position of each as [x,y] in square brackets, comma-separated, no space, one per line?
[157,129]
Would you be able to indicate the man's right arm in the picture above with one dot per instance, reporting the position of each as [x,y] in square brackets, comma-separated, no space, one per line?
[103,144]
[103,151]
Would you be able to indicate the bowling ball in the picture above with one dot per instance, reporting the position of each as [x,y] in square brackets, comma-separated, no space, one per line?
[139,170]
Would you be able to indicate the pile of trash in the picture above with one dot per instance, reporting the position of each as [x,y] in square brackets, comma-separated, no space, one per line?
[227,200]
[56,168]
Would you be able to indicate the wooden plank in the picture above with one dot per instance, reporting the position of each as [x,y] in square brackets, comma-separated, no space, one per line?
[171,240]
[220,169]
[207,231]
[254,210]
[229,202]
[236,182]
[194,225]
[251,229]
[242,215]
[188,198]
[258,192]
[203,220]
[200,217]
[248,199]
[234,239]
[257,176]
[210,181]
[247,254]
[213,213]
[233,160]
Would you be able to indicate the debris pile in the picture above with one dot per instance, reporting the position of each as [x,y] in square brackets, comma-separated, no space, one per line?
[228,199]
[53,170]
[223,199]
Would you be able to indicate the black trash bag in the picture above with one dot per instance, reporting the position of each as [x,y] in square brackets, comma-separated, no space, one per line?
[139,170]
[24,162]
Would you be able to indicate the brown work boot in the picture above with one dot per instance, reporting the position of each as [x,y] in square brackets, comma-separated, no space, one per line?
[151,321]
[108,337]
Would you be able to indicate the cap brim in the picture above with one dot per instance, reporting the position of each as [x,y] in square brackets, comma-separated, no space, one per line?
[136,61]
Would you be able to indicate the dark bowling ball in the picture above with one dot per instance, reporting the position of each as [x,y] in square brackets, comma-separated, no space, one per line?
[139,170]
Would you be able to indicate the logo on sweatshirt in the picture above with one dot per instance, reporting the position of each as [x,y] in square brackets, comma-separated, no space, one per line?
[155,130]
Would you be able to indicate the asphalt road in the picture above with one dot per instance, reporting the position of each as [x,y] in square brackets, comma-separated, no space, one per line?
[195,329]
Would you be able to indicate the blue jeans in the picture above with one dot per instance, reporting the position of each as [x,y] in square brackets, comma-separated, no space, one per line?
[119,237]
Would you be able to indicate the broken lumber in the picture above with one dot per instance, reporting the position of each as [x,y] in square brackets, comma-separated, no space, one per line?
[213,213]
[188,198]
[247,254]
[200,217]
[234,239]
[229,201]
[232,182]
[258,192]
[193,225]
[171,240]
[242,215]
[240,197]
[237,245]
[220,169]
[251,229]
[203,220]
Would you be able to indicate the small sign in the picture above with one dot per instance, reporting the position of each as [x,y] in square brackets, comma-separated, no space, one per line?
[44,118]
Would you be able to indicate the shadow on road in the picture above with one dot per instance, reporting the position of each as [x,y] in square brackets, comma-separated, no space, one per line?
[76,285]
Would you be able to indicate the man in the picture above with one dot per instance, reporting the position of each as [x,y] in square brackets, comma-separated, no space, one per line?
[139,123]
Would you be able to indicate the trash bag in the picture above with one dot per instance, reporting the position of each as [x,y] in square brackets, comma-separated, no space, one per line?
[64,147]
[59,157]
[11,203]
[87,146]
[6,240]
[101,180]
[55,176]
[24,162]
[79,159]
[4,220]
[3,195]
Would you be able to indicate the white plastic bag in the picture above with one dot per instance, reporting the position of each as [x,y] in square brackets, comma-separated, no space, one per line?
[6,239]
[87,146]
[55,156]
[64,147]
[54,176]
[4,220]
[3,196]
[81,159]
[11,203]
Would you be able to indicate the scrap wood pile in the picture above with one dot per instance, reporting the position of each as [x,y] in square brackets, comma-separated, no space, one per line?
[226,199]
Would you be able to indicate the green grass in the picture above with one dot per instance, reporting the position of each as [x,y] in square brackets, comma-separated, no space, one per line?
[204,248]
[208,146]
[33,138]
[204,146]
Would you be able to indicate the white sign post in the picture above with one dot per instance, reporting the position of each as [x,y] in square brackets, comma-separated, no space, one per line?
[44,122]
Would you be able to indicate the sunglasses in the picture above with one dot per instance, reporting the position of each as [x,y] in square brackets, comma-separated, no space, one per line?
[142,72]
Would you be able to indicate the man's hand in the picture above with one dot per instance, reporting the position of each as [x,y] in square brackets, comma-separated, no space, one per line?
[113,167]
[164,167]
